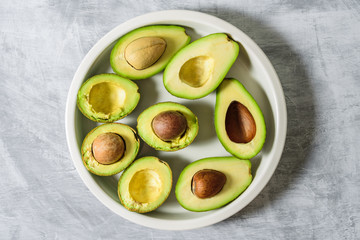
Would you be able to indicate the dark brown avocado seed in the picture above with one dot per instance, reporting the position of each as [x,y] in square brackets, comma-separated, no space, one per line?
[108,148]
[239,123]
[207,183]
[169,125]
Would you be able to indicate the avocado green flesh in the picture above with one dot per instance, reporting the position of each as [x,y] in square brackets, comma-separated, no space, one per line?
[175,37]
[131,149]
[145,130]
[145,184]
[107,97]
[229,91]
[198,69]
[238,178]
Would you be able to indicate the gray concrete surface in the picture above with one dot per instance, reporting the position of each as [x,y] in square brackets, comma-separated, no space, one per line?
[315,49]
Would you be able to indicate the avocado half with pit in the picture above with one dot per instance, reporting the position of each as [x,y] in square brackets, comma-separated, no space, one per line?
[107,97]
[145,184]
[109,148]
[198,69]
[211,183]
[239,122]
[167,126]
[146,51]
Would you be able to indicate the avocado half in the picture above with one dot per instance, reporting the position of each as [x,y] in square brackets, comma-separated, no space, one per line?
[130,139]
[238,178]
[145,184]
[174,36]
[198,69]
[146,132]
[239,122]
[107,97]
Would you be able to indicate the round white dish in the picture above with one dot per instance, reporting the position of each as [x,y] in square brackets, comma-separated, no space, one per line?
[252,69]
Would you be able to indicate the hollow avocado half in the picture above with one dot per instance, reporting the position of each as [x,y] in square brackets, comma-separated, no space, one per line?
[146,131]
[145,184]
[198,69]
[238,178]
[131,142]
[174,36]
[239,122]
[107,97]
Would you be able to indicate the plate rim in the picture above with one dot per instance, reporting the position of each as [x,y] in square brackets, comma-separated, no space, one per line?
[280,113]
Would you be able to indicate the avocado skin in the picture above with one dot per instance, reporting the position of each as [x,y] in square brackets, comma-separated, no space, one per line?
[155,30]
[144,163]
[173,68]
[232,90]
[237,172]
[132,145]
[147,134]
[82,97]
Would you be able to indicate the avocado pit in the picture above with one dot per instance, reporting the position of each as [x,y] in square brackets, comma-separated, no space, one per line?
[169,125]
[108,148]
[239,123]
[144,52]
[207,183]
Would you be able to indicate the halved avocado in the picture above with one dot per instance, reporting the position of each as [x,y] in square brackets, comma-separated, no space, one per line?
[174,36]
[147,133]
[198,69]
[239,122]
[129,138]
[107,97]
[145,184]
[237,178]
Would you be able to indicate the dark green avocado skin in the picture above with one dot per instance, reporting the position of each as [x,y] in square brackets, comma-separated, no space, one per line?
[146,132]
[83,97]
[231,90]
[141,32]
[238,178]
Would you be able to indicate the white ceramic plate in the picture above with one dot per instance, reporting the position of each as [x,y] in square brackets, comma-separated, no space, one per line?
[252,68]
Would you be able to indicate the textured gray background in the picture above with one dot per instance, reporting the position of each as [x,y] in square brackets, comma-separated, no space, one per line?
[315,49]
